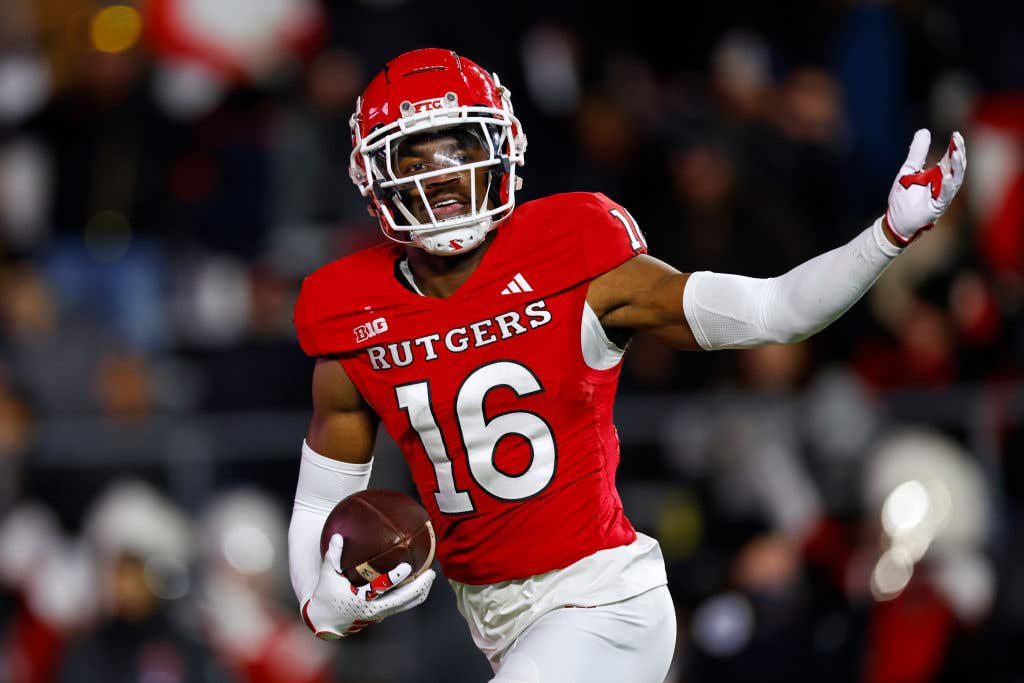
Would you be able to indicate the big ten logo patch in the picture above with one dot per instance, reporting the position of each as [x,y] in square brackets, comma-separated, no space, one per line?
[370,329]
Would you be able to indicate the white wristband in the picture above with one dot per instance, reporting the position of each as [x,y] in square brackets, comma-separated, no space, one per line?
[323,482]
[734,312]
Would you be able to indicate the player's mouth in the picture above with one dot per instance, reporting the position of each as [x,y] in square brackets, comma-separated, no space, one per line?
[448,207]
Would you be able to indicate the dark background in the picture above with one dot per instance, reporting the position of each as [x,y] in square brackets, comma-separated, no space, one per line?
[845,509]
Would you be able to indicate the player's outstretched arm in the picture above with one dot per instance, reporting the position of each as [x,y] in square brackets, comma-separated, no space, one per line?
[721,311]
[336,462]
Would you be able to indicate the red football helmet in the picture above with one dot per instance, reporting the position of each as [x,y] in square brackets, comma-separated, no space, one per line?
[449,117]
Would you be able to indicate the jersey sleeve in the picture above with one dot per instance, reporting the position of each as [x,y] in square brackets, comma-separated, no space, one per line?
[305,322]
[324,316]
[609,235]
[335,300]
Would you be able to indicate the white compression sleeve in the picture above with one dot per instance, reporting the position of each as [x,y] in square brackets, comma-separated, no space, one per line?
[736,312]
[323,482]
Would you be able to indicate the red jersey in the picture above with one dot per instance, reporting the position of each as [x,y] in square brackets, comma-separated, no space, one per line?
[506,428]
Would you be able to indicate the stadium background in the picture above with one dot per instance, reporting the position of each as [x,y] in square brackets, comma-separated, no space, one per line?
[845,509]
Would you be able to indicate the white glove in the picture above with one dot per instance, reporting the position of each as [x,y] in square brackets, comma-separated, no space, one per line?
[919,197]
[337,608]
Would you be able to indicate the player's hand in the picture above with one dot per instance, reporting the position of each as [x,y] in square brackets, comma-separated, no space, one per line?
[337,608]
[919,196]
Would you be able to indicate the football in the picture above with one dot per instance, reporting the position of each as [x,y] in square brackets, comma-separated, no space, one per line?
[381,530]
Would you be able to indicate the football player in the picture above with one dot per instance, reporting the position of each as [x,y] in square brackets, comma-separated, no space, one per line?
[488,339]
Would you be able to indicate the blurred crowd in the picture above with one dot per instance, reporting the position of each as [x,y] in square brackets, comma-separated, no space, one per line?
[845,509]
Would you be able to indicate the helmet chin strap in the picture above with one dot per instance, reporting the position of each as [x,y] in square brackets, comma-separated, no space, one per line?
[453,240]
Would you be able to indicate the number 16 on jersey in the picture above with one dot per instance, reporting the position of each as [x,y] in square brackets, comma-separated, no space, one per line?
[481,435]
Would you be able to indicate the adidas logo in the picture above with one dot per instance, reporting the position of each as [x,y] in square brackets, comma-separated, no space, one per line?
[518,285]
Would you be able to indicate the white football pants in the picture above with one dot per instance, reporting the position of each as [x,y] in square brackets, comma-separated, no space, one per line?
[629,641]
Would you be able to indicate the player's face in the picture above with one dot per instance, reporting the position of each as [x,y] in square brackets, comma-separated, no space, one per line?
[449,194]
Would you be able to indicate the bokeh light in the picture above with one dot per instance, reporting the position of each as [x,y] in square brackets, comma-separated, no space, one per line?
[248,549]
[891,574]
[905,508]
[115,29]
